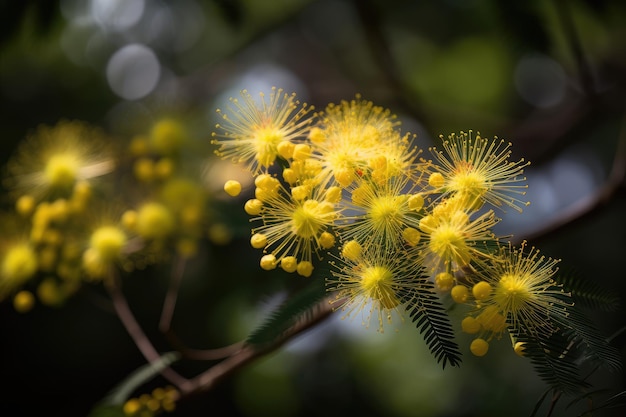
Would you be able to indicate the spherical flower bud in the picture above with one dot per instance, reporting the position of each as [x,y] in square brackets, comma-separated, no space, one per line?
[232,188]
[167,136]
[154,221]
[301,152]
[316,135]
[290,176]
[333,194]
[415,202]
[428,224]
[436,180]
[479,347]
[289,264]
[23,301]
[481,290]
[300,192]
[459,293]
[444,281]
[268,262]
[253,207]
[305,268]
[258,240]
[19,264]
[470,325]
[351,250]
[411,236]
[285,149]
[25,205]
[326,240]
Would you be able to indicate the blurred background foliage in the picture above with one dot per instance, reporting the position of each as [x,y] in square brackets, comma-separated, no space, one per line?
[547,75]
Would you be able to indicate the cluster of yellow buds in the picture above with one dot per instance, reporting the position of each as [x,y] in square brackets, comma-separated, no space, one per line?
[149,405]
[86,205]
[405,227]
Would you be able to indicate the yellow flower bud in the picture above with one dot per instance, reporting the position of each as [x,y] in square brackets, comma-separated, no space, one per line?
[479,347]
[232,188]
[326,240]
[258,240]
[268,262]
[253,207]
[436,180]
[305,268]
[444,281]
[470,325]
[351,250]
[289,264]
[481,290]
[23,301]
[411,236]
[459,293]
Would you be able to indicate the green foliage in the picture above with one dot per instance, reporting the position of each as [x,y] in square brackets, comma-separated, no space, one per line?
[111,405]
[297,306]
[589,293]
[431,319]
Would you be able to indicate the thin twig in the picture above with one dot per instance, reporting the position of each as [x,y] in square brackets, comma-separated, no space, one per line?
[218,372]
[137,334]
[169,304]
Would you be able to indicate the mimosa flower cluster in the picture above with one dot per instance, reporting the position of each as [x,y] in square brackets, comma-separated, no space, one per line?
[86,206]
[404,229]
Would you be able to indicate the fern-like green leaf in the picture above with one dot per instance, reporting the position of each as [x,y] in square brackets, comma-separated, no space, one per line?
[295,307]
[593,346]
[588,293]
[554,361]
[432,321]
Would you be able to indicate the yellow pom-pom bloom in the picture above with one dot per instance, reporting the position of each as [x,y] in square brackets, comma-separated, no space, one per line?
[479,169]
[251,132]
[154,221]
[380,214]
[108,241]
[479,347]
[54,158]
[453,237]
[524,291]
[350,135]
[295,227]
[232,188]
[380,280]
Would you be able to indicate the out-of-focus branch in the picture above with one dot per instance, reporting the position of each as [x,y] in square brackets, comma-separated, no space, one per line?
[247,354]
[137,334]
[592,204]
